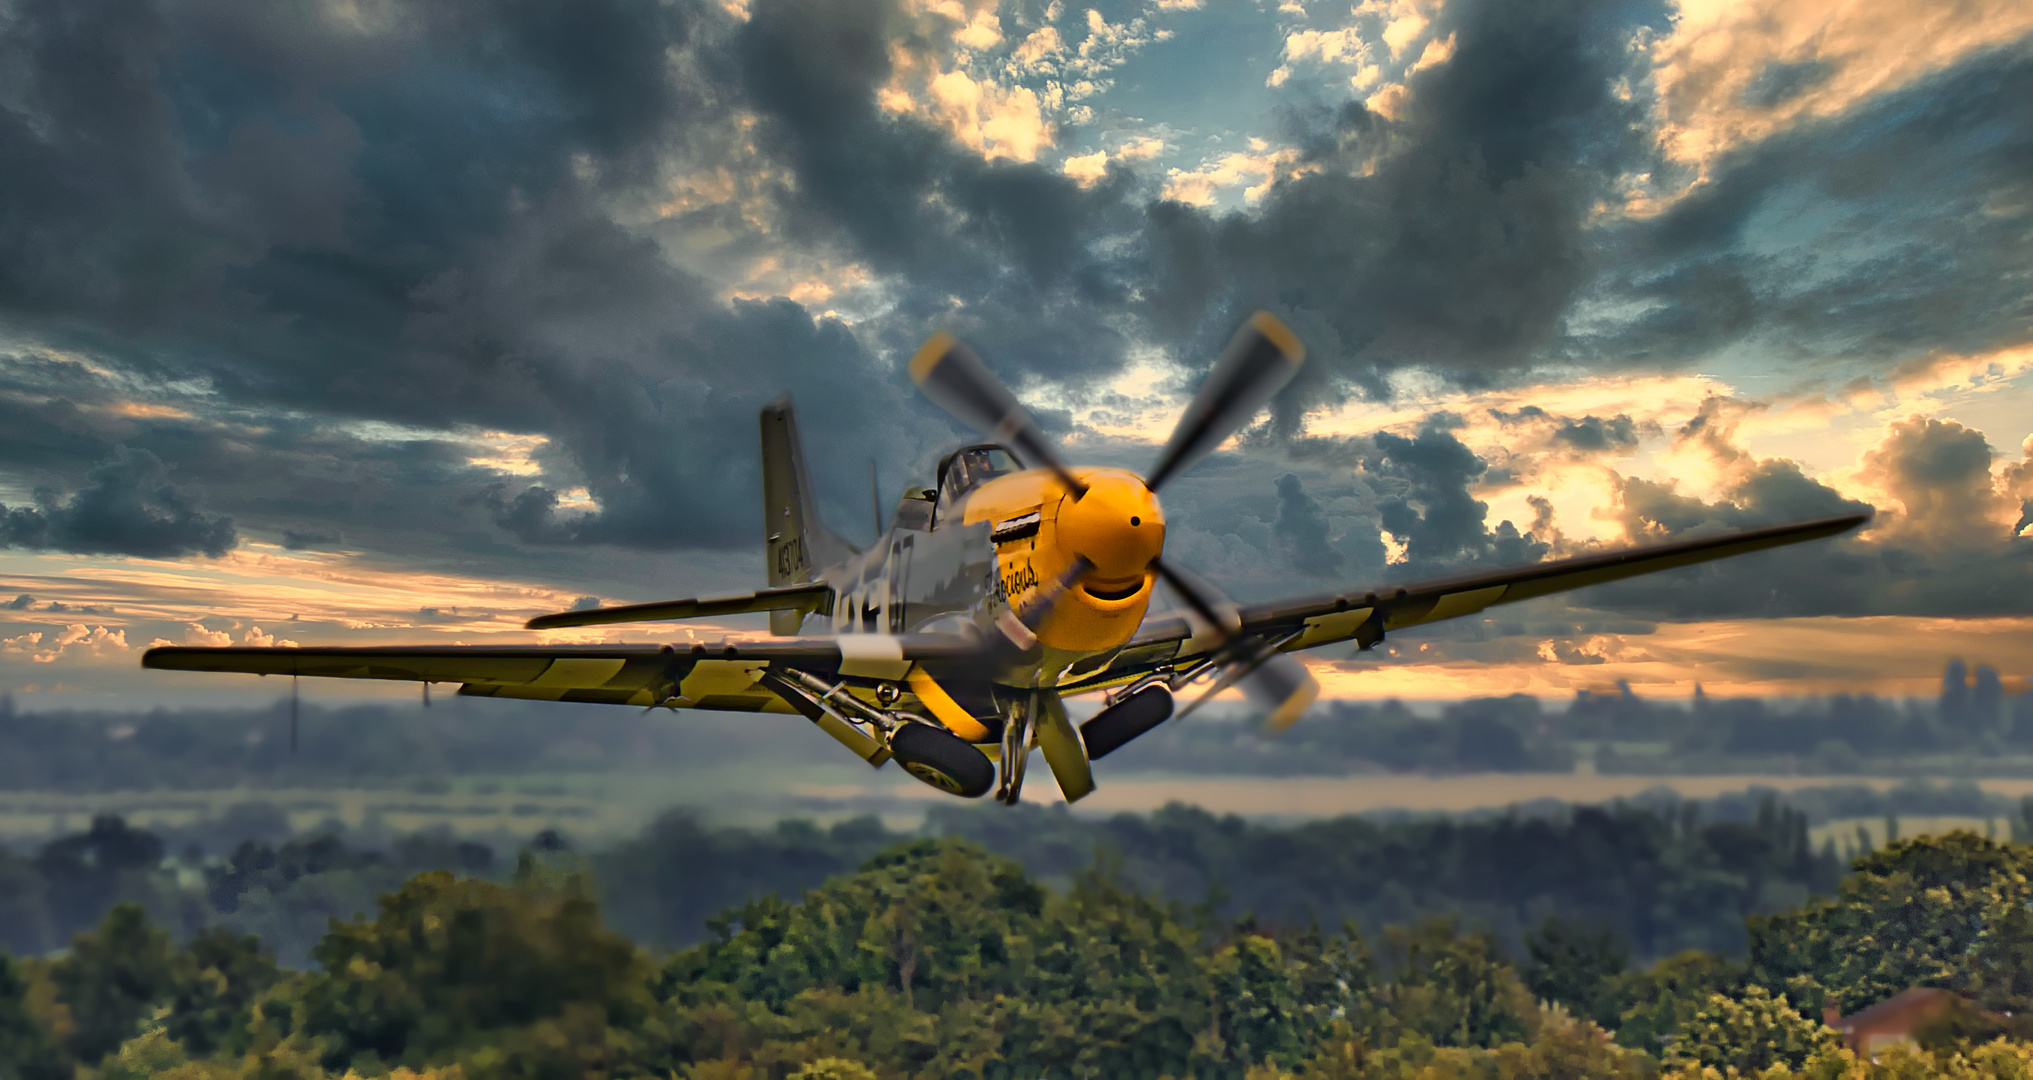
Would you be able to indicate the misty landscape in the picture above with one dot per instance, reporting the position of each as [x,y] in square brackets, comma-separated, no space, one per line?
[249,874]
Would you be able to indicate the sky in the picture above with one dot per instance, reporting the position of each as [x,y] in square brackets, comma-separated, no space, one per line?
[380,322]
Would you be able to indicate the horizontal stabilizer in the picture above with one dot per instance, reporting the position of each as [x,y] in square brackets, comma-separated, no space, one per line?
[808,598]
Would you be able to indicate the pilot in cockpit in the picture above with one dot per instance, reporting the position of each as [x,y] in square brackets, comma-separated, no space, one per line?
[967,468]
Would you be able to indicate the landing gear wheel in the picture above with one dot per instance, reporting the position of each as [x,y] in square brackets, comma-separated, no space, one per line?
[943,760]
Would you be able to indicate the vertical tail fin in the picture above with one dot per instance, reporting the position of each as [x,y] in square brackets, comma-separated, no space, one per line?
[799,546]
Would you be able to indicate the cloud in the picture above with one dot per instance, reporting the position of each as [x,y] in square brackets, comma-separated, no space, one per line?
[1939,472]
[1593,434]
[1731,74]
[1424,487]
[1453,235]
[196,634]
[311,539]
[48,648]
[1090,169]
[1875,274]
[1258,169]
[261,639]
[19,603]
[129,508]
[1343,46]
[487,287]
[1302,531]
[2017,481]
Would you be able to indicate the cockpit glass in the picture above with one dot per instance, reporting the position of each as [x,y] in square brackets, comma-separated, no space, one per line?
[968,469]
[975,465]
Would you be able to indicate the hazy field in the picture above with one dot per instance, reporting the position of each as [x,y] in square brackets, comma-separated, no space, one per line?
[604,805]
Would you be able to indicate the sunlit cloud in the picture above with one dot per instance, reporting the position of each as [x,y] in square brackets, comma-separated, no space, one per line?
[1254,171]
[1736,71]
[1089,169]
[73,639]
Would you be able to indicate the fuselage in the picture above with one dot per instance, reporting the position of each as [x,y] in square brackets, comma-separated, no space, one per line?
[1006,541]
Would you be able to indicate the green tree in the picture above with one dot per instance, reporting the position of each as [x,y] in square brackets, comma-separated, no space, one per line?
[1914,913]
[1750,1034]
[26,1050]
[513,981]
[1658,1002]
[217,978]
[112,981]
[1578,965]
[1453,989]
[935,920]
[1256,1002]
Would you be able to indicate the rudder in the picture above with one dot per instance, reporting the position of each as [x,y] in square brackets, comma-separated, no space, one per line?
[798,545]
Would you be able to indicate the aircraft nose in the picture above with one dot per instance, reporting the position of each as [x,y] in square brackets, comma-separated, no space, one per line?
[1118,525]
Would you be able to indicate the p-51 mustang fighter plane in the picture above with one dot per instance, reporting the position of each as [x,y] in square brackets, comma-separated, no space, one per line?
[1014,582]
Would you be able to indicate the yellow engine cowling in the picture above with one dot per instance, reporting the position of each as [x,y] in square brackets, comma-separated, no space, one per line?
[1041,530]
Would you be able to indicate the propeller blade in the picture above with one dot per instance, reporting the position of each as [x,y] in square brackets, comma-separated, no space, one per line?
[1261,359]
[1205,600]
[957,381]
[1282,688]
[1274,682]
[1017,627]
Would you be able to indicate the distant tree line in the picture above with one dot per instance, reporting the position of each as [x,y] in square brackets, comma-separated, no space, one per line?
[1662,878]
[1974,720]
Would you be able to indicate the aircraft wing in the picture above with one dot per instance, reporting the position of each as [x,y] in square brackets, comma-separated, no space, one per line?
[807,597]
[729,675]
[1364,617]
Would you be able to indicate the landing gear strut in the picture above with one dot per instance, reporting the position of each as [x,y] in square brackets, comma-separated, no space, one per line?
[1017,734]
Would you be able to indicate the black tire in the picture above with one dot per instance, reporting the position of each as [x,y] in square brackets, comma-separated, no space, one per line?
[943,760]
[1125,720]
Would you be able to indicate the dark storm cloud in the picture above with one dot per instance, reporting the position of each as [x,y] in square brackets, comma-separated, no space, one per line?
[1940,549]
[1593,433]
[313,539]
[1464,245]
[129,508]
[1425,501]
[416,232]
[1003,253]
[1894,229]
[1302,530]
[320,226]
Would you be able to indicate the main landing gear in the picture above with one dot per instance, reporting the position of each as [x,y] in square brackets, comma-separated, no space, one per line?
[942,759]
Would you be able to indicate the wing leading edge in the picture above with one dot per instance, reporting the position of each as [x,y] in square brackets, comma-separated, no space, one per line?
[1364,617]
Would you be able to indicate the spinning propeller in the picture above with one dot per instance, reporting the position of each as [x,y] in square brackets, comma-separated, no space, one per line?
[1259,361]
